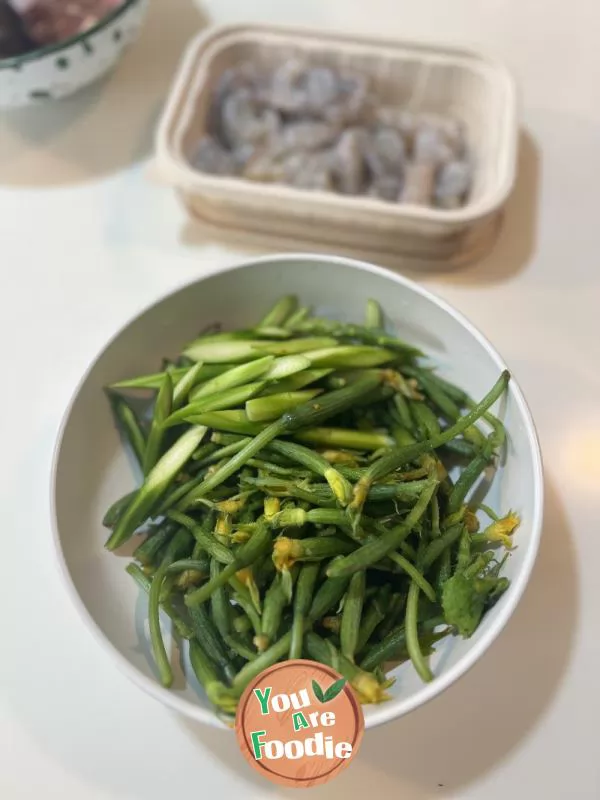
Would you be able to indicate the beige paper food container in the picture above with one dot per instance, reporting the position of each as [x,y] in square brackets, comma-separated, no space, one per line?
[469,86]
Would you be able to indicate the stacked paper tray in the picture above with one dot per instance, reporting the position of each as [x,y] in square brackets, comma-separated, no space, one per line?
[468,86]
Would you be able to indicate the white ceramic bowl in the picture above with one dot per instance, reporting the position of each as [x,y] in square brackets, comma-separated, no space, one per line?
[91,469]
[59,70]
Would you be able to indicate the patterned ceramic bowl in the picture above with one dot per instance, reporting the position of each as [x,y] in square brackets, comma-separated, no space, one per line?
[61,69]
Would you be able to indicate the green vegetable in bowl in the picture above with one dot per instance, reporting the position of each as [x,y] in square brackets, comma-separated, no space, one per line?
[309,491]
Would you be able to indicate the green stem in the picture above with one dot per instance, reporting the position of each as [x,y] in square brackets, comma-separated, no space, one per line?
[412,634]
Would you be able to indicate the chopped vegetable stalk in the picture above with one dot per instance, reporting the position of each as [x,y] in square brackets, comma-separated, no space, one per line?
[266,409]
[373,315]
[236,376]
[155,485]
[227,399]
[280,312]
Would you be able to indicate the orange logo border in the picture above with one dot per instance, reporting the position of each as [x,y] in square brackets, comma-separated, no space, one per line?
[261,766]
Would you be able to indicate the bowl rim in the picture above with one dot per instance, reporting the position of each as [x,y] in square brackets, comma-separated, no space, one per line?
[14,62]
[386,711]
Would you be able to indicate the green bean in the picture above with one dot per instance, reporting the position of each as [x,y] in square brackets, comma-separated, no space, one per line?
[185,384]
[156,640]
[344,438]
[373,615]
[435,517]
[155,485]
[162,409]
[205,672]
[321,494]
[366,685]
[296,318]
[220,606]
[403,411]
[366,335]
[311,414]
[245,603]
[498,435]
[455,393]
[417,577]
[425,419]
[281,487]
[234,421]
[225,352]
[144,582]
[375,550]
[130,429]
[317,464]
[153,381]
[203,452]
[352,614]
[147,551]
[297,381]
[275,602]
[467,479]
[302,601]
[116,511]
[373,315]
[287,366]
[403,455]
[436,547]
[227,399]
[349,356]
[232,378]
[247,578]
[212,546]
[180,546]
[436,394]
[280,312]
[409,490]
[490,512]
[394,612]
[171,498]
[256,546]
[266,409]
[277,469]
[240,647]
[192,577]
[412,635]
[287,551]
[303,415]
[444,570]
[328,595]
[207,634]
[262,662]
[394,643]
[439,397]
[224,452]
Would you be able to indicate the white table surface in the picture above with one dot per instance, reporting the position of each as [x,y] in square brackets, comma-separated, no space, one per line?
[86,241]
